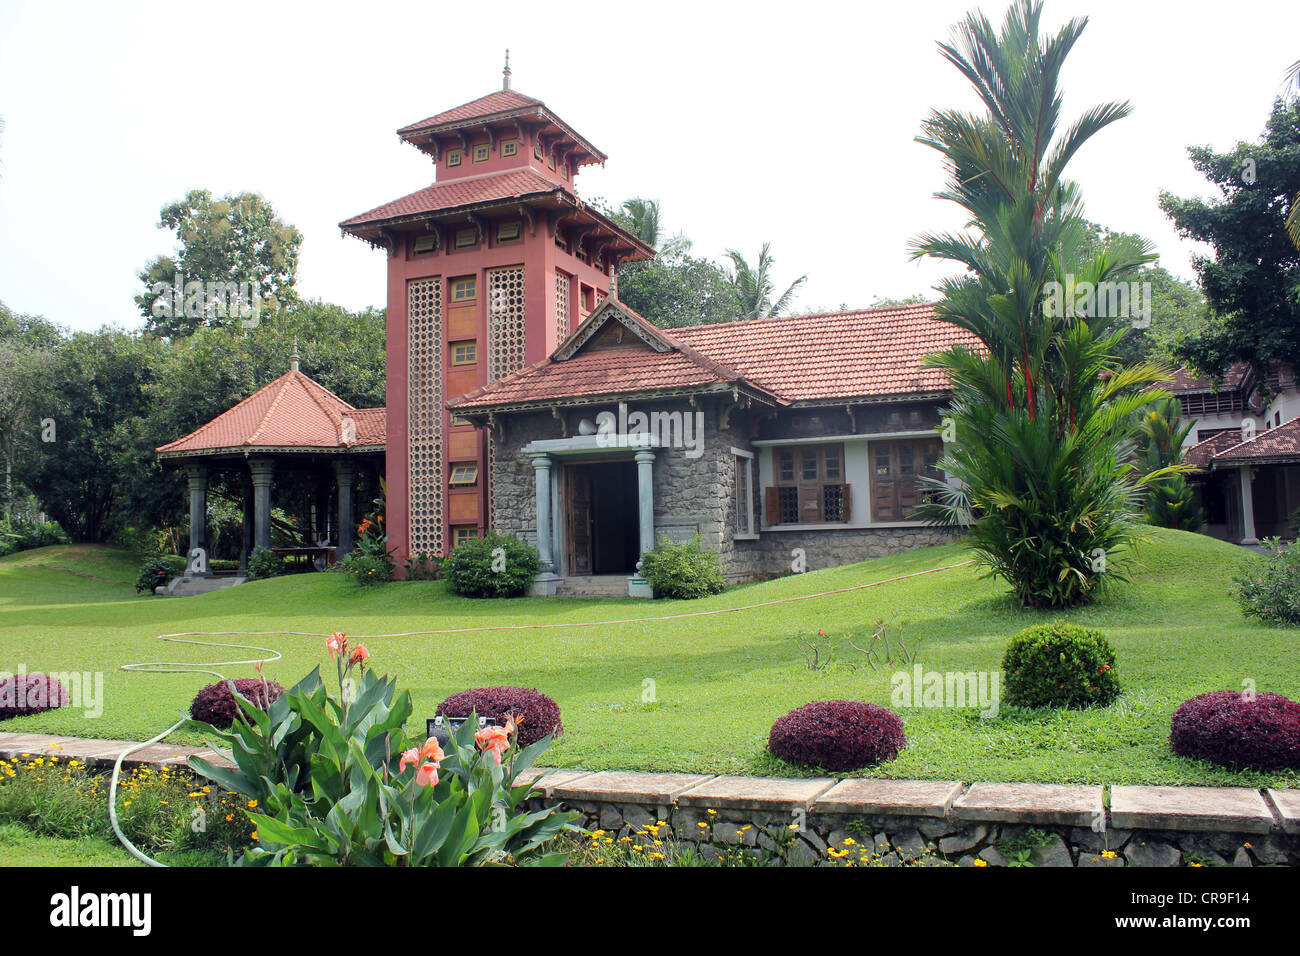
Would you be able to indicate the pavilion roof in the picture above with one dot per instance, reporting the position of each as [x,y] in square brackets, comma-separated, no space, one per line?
[291,413]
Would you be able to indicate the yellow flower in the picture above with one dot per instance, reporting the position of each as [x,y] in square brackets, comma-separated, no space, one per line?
[1246,845]
[981,862]
[1109,854]
[252,804]
[712,813]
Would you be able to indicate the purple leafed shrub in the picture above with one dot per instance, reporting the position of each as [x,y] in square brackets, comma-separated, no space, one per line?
[838,735]
[215,704]
[541,715]
[30,694]
[1234,730]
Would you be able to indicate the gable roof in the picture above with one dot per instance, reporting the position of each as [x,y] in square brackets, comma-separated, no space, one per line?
[864,355]
[1275,445]
[1202,453]
[466,192]
[499,101]
[1186,381]
[292,412]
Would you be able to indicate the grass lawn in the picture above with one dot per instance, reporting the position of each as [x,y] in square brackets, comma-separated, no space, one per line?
[720,681]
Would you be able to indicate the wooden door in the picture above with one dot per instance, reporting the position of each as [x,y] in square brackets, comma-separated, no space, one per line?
[895,465]
[579,519]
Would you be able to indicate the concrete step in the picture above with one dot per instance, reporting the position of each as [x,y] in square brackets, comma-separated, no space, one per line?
[593,585]
[187,586]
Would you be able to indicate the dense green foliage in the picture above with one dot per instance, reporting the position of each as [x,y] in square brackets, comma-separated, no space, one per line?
[1043,415]
[264,563]
[495,565]
[1171,503]
[1268,586]
[1060,665]
[1252,280]
[682,571]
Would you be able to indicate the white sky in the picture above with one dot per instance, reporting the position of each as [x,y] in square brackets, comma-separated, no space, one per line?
[748,121]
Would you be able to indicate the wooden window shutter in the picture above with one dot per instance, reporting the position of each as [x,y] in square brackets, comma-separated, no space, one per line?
[772,505]
[848,503]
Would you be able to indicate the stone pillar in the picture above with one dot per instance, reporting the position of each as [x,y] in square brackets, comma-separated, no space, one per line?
[638,586]
[197,476]
[246,548]
[544,585]
[1247,506]
[344,477]
[263,472]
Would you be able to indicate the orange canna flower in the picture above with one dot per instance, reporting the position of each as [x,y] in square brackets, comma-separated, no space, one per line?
[432,751]
[495,739]
[427,775]
[408,757]
[360,655]
[336,644]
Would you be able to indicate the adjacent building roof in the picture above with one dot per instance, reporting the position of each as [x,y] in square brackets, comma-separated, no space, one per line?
[1185,381]
[1273,446]
[460,193]
[292,413]
[1202,454]
[865,355]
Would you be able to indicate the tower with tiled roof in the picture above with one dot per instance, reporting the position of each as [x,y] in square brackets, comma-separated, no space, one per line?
[489,268]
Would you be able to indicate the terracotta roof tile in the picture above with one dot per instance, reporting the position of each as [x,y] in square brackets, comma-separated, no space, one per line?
[511,184]
[1185,381]
[291,412]
[874,353]
[501,101]
[1276,444]
[1200,454]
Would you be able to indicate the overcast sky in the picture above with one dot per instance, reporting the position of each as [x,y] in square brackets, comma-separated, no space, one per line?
[789,122]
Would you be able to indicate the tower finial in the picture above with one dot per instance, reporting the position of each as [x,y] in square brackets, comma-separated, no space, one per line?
[293,361]
[505,74]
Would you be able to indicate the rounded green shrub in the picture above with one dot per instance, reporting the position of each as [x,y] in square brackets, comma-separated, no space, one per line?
[367,569]
[1268,587]
[157,571]
[1059,665]
[264,563]
[683,571]
[496,565]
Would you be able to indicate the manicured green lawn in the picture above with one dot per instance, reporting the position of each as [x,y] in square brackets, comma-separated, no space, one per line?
[719,681]
[19,846]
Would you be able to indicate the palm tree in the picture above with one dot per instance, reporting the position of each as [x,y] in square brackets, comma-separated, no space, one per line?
[1292,79]
[644,215]
[1044,414]
[754,285]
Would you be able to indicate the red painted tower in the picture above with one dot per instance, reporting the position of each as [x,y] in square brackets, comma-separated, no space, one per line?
[489,269]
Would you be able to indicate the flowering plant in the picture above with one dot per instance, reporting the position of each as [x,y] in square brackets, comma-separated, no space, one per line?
[334,779]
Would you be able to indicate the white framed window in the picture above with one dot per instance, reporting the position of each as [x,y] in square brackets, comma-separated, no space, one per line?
[743,494]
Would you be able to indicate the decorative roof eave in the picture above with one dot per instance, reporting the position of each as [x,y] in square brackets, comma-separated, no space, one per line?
[410,134]
[246,450]
[890,399]
[1219,462]
[363,230]
[604,398]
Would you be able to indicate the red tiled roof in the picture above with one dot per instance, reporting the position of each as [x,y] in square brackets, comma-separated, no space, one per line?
[874,353]
[291,412]
[1185,381]
[1200,454]
[502,101]
[1276,444]
[511,184]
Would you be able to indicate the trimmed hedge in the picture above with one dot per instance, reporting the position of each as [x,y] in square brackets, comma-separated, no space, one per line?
[1236,730]
[1060,665]
[541,715]
[22,694]
[838,735]
[478,569]
[682,571]
[215,704]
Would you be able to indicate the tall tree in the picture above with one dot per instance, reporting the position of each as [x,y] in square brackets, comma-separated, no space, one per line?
[236,239]
[1042,414]
[1252,281]
[1171,503]
[754,285]
[644,223]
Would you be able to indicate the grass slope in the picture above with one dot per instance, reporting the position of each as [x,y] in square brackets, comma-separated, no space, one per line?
[719,681]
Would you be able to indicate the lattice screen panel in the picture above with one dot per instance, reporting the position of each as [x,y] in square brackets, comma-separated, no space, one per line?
[561,307]
[424,414]
[506,343]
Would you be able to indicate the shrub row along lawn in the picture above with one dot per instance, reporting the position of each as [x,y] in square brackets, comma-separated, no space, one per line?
[695,694]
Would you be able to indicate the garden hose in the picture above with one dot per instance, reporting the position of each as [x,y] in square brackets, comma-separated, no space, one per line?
[186,637]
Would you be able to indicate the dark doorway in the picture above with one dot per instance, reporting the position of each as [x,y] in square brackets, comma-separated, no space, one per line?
[603,530]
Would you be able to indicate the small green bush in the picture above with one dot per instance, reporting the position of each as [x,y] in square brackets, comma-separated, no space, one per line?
[496,565]
[1268,587]
[366,569]
[683,571]
[264,563]
[157,571]
[1060,665]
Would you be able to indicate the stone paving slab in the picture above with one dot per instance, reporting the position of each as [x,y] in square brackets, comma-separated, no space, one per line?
[1288,808]
[1068,804]
[15,744]
[1225,809]
[554,777]
[755,793]
[908,798]
[620,786]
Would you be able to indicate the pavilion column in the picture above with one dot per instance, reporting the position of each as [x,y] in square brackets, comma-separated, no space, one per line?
[197,476]
[1247,506]
[645,500]
[246,547]
[542,481]
[263,472]
[344,478]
